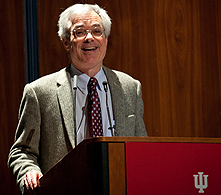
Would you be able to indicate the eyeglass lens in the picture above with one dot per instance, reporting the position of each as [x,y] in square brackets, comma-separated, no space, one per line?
[81,32]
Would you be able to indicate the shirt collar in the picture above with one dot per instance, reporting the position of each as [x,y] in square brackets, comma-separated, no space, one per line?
[84,78]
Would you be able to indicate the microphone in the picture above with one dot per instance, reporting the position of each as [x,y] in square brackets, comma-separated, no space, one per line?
[105,86]
[75,89]
[75,82]
[108,112]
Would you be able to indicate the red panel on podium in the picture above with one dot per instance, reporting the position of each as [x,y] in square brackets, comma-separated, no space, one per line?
[169,168]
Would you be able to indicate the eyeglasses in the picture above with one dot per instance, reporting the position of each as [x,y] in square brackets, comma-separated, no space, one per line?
[82,33]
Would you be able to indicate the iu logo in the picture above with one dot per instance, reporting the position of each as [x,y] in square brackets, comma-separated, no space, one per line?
[199,183]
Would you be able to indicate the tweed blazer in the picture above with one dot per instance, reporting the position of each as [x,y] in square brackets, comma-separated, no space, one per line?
[45,131]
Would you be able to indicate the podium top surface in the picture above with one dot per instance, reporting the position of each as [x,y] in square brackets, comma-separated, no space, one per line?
[154,139]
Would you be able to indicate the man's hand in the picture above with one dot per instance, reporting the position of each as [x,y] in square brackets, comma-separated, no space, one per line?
[31,182]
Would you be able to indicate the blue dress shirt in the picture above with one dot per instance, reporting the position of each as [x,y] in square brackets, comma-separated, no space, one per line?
[81,103]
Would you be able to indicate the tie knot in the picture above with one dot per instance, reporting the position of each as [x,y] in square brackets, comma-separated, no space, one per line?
[92,83]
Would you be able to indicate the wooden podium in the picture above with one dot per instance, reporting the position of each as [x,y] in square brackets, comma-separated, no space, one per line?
[136,165]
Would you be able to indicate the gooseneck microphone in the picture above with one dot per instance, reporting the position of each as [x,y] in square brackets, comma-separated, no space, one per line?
[75,89]
[108,112]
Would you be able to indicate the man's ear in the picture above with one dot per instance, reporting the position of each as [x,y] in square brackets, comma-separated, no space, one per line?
[66,44]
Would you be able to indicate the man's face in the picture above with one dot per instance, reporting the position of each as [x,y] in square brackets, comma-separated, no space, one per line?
[87,53]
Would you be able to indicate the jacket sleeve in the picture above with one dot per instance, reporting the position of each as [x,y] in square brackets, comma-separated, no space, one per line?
[140,126]
[24,153]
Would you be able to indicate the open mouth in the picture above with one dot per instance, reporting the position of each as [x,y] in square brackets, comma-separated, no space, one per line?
[89,48]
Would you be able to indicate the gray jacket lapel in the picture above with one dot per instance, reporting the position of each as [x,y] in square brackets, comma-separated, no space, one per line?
[65,100]
[118,101]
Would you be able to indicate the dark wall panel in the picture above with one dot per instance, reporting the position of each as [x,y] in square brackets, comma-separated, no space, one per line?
[12,80]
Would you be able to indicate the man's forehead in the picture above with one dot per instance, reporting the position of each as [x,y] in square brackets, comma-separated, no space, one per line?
[91,18]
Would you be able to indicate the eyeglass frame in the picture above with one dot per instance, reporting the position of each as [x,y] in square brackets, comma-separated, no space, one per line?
[73,32]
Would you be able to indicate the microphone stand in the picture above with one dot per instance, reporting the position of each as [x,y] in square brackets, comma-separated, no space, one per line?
[75,89]
[108,112]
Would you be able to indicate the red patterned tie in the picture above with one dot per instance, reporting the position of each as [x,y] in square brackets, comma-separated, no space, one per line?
[94,110]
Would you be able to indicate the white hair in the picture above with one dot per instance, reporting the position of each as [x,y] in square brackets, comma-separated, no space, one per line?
[64,22]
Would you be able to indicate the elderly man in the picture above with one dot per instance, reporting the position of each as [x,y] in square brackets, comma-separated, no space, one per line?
[56,113]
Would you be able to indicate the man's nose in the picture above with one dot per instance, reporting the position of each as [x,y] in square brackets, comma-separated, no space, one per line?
[89,36]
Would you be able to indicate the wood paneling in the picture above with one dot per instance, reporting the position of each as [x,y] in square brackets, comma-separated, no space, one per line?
[52,56]
[12,79]
[117,168]
[172,47]
[210,67]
